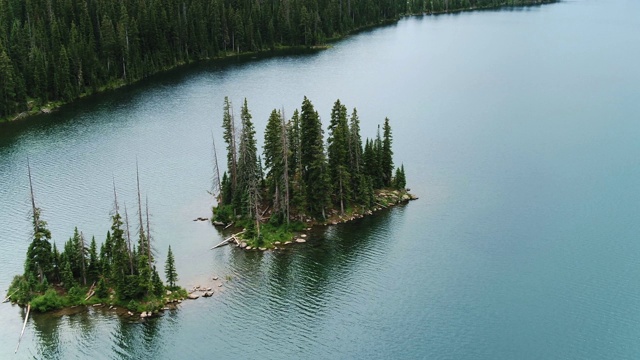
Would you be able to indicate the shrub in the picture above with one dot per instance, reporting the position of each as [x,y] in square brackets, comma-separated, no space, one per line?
[49,301]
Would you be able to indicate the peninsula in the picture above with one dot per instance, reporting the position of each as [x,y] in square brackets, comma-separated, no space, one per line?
[121,274]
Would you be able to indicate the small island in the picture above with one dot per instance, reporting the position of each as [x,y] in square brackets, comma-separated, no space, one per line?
[120,275]
[301,184]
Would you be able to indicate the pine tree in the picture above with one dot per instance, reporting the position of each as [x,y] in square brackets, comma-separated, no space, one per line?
[314,171]
[355,157]
[228,125]
[386,155]
[93,270]
[170,269]
[39,262]
[297,189]
[7,84]
[101,289]
[120,261]
[156,282]
[338,154]
[67,275]
[56,264]
[248,168]
[400,181]
[274,160]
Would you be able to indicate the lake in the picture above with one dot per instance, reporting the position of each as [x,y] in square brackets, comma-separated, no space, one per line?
[518,129]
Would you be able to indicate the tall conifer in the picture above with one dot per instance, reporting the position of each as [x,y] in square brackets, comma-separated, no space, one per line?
[314,164]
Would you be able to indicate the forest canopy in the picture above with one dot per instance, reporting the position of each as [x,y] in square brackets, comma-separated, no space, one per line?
[54,51]
[303,177]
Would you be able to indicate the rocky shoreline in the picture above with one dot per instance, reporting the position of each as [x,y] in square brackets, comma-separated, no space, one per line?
[384,199]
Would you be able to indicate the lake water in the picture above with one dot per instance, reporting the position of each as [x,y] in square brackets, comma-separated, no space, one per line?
[518,130]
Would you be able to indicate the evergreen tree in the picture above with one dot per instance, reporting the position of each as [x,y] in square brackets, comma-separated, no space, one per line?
[400,181]
[93,270]
[56,264]
[101,289]
[386,162]
[358,185]
[298,191]
[156,282]
[274,160]
[119,257]
[314,171]
[248,167]
[39,262]
[338,154]
[7,85]
[170,269]
[67,275]
[228,125]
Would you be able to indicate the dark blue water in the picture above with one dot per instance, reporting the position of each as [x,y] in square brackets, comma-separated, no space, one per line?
[518,129]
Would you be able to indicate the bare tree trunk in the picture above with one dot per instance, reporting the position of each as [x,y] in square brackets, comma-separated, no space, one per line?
[148,232]
[126,222]
[341,197]
[234,154]
[36,216]
[143,243]
[82,251]
[285,156]
[216,172]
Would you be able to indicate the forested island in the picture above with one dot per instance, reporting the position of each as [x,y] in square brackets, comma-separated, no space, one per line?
[52,52]
[300,185]
[120,274]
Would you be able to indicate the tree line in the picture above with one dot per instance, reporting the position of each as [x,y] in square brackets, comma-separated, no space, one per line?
[121,272]
[58,50]
[302,177]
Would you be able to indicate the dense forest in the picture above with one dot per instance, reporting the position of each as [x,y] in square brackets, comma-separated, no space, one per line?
[53,51]
[120,273]
[303,178]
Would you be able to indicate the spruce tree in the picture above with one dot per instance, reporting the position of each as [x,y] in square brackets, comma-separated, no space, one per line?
[7,84]
[229,131]
[248,168]
[338,154]
[355,156]
[400,181]
[298,191]
[170,269]
[274,160]
[314,163]
[386,155]
[93,270]
[67,275]
[39,262]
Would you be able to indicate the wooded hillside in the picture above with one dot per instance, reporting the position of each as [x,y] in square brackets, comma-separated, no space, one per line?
[57,50]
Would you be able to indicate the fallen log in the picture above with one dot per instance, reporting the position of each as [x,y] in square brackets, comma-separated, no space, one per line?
[23,327]
[227,240]
[9,296]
